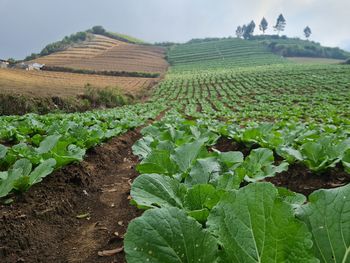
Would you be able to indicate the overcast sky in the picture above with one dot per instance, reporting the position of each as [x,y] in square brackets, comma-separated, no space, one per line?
[27,26]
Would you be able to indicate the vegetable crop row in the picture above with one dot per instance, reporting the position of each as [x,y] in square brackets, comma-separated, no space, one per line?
[34,146]
[204,205]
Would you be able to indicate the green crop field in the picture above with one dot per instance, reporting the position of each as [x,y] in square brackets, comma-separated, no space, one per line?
[248,162]
[274,92]
[227,53]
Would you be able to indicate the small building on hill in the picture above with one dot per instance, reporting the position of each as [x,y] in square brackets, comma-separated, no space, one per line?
[34,66]
[30,66]
[4,63]
[37,66]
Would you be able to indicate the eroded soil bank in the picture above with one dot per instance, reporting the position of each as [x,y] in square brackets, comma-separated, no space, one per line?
[42,225]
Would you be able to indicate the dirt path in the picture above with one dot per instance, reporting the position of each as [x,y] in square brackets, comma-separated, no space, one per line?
[42,225]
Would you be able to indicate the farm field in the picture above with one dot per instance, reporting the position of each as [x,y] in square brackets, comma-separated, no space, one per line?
[226,53]
[102,53]
[61,84]
[261,93]
[306,60]
[239,155]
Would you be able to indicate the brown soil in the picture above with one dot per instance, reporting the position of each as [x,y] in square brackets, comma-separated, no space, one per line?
[41,225]
[225,145]
[298,178]
[64,85]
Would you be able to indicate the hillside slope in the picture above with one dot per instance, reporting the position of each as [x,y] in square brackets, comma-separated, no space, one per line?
[101,53]
[221,53]
[229,77]
[80,64]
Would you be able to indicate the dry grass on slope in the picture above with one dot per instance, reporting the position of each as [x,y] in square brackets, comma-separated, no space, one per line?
[48,84]
[106,54]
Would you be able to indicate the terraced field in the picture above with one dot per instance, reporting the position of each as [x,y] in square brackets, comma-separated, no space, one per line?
[308,60]
[227,53]
[49,84]
[96,44]
[106,54]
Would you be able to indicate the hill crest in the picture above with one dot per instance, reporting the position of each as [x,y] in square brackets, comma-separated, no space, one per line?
[79,37]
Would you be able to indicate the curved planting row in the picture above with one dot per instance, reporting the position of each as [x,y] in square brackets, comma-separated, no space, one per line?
[272,92]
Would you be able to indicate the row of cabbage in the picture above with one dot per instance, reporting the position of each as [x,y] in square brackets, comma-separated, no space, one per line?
[33,146]
[317,146]
[204,205]
[274,92]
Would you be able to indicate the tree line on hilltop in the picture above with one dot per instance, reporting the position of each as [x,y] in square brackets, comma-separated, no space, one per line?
[246,31]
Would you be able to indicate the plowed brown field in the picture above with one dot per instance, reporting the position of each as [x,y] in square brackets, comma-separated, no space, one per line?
[105,54]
